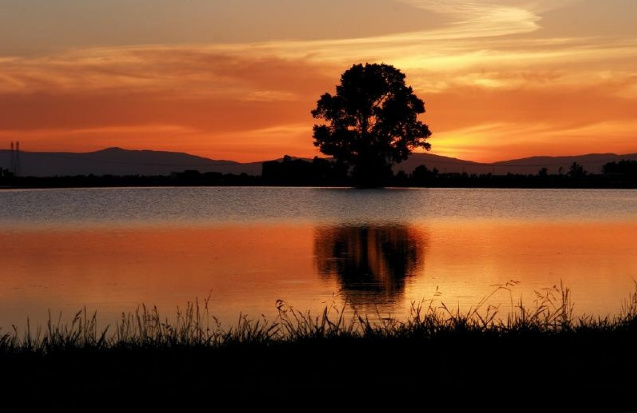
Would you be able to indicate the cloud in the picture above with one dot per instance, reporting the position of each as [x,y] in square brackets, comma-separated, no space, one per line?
[227,71]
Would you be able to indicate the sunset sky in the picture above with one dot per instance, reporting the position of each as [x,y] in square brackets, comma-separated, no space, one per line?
[236,80]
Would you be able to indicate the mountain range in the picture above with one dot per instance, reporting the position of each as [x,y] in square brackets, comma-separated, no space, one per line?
[121,162]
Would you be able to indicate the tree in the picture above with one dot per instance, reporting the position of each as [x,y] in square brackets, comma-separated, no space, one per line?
[371,123]
[625,166]
[576,170]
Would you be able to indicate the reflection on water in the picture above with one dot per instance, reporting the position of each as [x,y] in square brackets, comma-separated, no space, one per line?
[370,262]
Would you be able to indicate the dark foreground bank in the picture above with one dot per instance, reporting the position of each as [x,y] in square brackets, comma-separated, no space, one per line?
[588,372]
[533,361]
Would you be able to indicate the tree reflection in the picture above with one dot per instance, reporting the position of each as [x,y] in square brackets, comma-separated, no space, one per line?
[371,262]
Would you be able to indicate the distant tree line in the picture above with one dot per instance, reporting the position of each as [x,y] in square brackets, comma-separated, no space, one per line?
[317,172]
[324,172]
[184,178]
[623,167]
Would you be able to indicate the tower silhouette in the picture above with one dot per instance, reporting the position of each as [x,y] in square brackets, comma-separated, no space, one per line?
[15,158]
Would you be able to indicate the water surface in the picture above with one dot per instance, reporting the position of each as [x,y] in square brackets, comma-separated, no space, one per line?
[375,251]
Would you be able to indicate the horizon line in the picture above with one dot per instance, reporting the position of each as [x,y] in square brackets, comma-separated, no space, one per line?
[11,149]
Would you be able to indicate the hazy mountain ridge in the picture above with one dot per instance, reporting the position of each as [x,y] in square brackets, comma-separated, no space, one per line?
[118,161]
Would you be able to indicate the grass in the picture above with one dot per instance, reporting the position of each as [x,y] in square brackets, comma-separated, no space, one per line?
[196,327]
[437,357]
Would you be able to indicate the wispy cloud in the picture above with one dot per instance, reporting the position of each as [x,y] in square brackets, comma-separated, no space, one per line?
[142,69]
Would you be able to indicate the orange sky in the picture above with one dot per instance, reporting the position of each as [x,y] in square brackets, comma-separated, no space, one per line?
[501,79]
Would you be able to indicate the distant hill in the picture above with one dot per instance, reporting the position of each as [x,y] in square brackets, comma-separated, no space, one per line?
[591,163]
[121,162]
[443,164]
[118,161]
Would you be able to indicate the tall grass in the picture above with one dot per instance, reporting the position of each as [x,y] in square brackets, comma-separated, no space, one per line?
[196,327]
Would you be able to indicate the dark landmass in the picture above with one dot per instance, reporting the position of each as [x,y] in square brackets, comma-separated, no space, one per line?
[123,162]
[290,171]
[584,372]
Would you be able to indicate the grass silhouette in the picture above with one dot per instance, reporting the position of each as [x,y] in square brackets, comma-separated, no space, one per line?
[437,358]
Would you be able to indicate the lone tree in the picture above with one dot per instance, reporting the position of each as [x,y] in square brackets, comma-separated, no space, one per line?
[371,123]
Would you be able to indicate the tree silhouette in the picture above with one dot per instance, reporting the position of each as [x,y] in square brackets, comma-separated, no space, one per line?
[576,170]
[371,123]
[625,166]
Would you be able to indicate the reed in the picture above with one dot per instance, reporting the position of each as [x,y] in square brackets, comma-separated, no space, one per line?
[195,326]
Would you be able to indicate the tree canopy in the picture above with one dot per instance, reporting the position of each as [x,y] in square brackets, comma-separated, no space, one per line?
[371,123]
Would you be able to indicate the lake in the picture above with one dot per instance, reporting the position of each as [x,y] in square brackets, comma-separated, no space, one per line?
[376,251]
